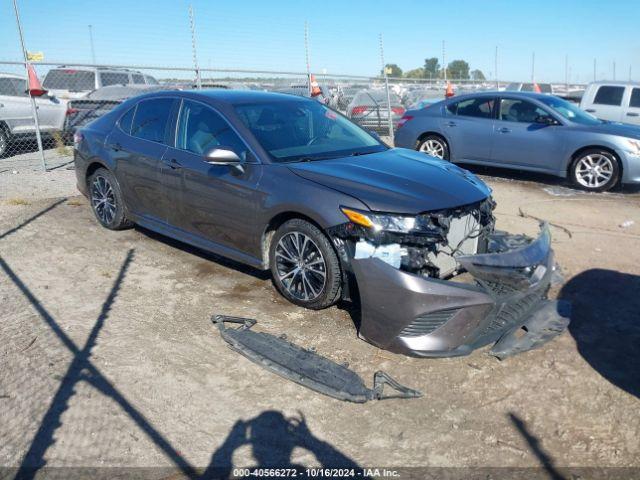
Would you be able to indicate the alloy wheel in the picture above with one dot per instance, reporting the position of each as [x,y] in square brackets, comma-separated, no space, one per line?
[301,267]
[103,199]
[594,170]
[433,147]
[3,143]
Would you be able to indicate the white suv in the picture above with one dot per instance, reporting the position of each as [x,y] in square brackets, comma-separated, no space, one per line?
[613,101]
[76,82]
[16,119]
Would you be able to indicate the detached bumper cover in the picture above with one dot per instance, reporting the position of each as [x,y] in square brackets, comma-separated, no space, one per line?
[422,316]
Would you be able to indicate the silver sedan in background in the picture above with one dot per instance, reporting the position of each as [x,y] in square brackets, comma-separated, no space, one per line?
[526,131]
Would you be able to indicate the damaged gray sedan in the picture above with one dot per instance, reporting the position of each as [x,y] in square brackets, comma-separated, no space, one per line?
[284,183]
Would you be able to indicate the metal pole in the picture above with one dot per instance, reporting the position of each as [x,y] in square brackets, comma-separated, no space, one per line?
[306,54]
[533,67]
[566,73]
[193,46]
[595,65]
[386,84]
[34,108]
[496,69]
[444,63]
[93,52]
[614,69]
[629,72]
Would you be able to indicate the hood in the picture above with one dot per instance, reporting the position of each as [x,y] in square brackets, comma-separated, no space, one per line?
[614,128]
[397,181]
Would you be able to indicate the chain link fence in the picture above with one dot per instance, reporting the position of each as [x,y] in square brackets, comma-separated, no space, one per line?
[79,93]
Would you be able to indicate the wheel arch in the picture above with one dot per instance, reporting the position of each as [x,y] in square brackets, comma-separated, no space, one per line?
[424,135]
[275,222]
[576,154]
[92,167]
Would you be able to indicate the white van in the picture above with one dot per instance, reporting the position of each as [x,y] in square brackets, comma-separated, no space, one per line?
[613,101]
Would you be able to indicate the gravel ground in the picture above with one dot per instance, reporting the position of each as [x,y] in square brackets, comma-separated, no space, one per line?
[109,357]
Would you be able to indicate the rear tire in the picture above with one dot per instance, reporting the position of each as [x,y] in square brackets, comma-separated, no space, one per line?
[5,140]
[304,266]
[106,200]
[434,145]
[595,170]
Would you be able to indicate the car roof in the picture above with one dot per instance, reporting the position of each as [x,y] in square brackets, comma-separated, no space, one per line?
[615,82]
[12,75]
[85,68]
[231,97]
[493,93]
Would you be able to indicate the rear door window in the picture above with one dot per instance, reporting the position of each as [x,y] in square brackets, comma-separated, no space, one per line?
[473,107]
[126,121]
[635,98]
[151,118]
[137,79]
[114,78]
[69,79]
[609,95]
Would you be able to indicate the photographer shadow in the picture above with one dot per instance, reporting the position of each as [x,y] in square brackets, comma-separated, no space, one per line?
[604,324]
[272,438]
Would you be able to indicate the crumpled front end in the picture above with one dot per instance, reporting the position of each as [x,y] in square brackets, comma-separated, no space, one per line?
[496,296]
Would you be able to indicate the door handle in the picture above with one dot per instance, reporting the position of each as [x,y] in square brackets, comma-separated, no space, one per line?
[504,130]
[591,110]
[173,164]
[630,114]
[116,147]
[451,124]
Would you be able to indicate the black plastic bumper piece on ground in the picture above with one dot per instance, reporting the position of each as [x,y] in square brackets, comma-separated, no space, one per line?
[304,366]
[548,321]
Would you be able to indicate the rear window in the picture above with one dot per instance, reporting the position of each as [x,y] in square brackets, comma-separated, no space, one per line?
[608,95]
[113,78]
[126,120]
[137,78]
[69,79]
[376,97]
[150,119]
[151,80]
[13,87]
[635,98]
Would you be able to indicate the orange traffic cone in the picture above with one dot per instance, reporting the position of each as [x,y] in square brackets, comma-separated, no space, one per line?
[536,88]
[449,92]
[35,87]
[315,88]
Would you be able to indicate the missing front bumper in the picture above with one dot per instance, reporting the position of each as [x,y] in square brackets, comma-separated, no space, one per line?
[421,316]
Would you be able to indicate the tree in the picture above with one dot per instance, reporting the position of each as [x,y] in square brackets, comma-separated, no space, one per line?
[458,69]
[431,67]
[477,75]
[393,70]
[415,73]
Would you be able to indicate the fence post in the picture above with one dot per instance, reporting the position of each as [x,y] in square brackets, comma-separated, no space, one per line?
[34,107]
[193,46]
[386,86]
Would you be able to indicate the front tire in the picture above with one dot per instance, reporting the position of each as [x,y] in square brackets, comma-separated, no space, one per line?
[304,265]
[595,170]
[434,145]
[106,200]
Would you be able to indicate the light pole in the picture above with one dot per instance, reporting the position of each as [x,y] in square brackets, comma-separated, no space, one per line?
[93,52]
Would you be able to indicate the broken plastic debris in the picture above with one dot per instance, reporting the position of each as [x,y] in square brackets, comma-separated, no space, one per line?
[304,366]
[627,224]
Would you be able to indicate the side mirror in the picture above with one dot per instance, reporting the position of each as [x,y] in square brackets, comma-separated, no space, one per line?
[546,120]
[223,156]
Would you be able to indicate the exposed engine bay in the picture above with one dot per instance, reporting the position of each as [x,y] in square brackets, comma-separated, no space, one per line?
[444,283]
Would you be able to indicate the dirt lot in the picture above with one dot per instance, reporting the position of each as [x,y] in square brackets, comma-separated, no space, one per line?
[108,356]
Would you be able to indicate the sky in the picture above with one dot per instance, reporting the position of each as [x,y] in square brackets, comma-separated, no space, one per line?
[343,35]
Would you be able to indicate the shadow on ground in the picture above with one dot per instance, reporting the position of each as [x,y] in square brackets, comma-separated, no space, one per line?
[604,324]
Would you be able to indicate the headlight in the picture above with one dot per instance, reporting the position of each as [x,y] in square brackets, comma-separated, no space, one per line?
[634,146]
[380,221]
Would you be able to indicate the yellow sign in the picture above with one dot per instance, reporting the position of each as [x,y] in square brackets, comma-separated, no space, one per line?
[388,70]
[35,56]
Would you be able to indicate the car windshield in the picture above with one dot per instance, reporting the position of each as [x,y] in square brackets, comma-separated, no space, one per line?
[570,111]
[305,130]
